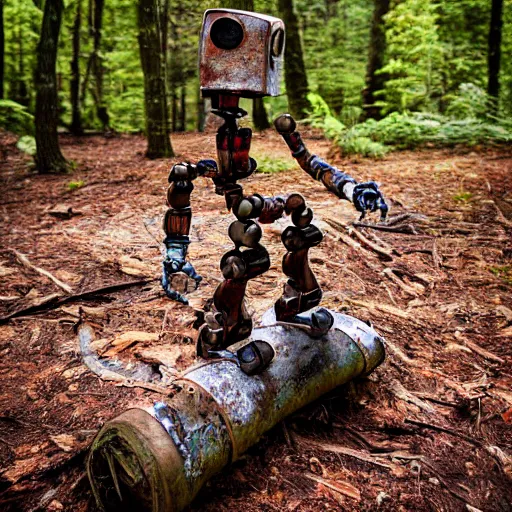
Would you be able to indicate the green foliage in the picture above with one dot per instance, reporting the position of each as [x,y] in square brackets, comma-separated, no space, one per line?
[270,164]
[415,57]
[15,118]
[470,102]
[352,144]
[504,272]
[463,197]
[27,144]
[412,130]
[436,62]
[75,185]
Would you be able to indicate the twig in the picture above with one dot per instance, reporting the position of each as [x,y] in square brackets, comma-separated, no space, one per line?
[334,448]
[26,263]
[383,251]
[435,255]
[383,308]
[55,302]
[443,429]
[391,221]
[435,400]
[408,229]
[403,394]
[484,353]
[388,272]
[500,217]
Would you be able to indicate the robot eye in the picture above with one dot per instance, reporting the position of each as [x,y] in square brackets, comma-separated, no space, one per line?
[226,33]
[277,42]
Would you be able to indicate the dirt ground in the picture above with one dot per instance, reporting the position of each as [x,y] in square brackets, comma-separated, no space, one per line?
[430,430]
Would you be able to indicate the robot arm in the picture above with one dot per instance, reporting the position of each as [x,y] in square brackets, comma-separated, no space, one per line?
[364,196]
[177,222]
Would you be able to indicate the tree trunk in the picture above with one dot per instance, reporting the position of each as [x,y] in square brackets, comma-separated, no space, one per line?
[201,111]
[153,67]
[494,56]
[374,81]
[2,49]
[294,70]
[259,115]
[96,17]
[49,157]
[76,118]
[183,109]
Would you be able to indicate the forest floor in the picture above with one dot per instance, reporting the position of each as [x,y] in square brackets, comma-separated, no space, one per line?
[429,430]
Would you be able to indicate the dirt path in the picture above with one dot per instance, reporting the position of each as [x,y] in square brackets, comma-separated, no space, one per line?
[433,423]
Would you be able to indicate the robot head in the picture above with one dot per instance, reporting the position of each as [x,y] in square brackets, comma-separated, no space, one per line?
[240,53]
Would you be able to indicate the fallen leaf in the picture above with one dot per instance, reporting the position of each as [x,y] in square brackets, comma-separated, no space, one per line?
[65,442]
[507,416]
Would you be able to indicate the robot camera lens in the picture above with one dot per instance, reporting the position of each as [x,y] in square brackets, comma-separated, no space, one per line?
[226,33]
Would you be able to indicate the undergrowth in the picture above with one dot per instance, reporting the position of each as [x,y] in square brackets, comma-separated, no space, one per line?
[270,165]
[469,126]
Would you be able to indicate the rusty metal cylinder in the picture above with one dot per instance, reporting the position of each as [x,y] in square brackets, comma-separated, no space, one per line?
[139,462]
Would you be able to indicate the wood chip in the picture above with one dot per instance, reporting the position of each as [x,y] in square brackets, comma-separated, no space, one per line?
[337,485]
[125,340]
[65,442]
[403,394]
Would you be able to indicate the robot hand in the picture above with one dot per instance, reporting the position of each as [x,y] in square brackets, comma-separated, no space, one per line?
[367,196]
[176,270]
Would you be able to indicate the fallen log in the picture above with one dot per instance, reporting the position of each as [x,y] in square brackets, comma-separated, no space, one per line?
[158,458]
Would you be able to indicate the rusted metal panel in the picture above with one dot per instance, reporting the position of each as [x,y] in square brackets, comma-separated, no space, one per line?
[240,52]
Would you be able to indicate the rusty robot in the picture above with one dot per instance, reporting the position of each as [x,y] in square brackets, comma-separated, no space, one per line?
[241,56]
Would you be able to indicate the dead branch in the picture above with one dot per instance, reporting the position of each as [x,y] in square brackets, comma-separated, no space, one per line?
[54,301]
[26,263]
[407,229]
[383,251]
